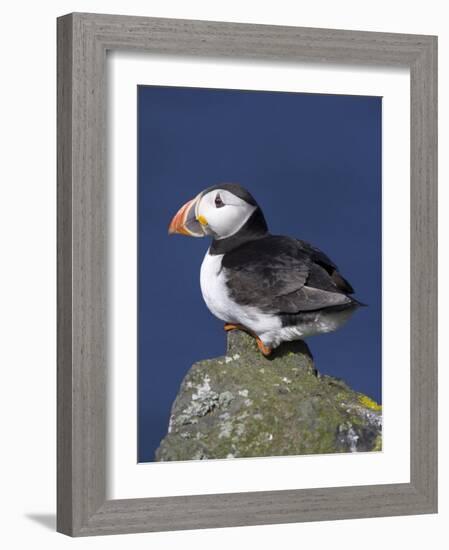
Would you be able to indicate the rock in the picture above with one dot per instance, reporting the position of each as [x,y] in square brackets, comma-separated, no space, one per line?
[246,405]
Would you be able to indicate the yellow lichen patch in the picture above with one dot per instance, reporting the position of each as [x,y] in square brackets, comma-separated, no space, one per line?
[369,403]
[377,444]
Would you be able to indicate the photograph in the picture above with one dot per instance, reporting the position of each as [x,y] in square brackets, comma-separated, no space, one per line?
[259,273]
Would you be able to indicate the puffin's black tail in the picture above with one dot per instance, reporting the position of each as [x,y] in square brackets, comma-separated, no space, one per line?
[358,303]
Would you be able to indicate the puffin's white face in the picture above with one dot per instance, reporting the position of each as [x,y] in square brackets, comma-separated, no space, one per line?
[221,213]
[218,213]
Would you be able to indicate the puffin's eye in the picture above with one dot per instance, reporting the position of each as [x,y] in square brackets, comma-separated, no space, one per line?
[218,202]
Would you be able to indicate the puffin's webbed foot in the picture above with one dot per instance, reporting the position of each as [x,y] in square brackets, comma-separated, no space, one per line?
[262,347]
[265,350]
[231,326]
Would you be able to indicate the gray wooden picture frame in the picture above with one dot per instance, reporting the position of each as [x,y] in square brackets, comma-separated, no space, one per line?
[83,40]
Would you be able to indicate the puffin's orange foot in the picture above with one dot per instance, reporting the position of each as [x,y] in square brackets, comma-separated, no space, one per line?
[231,326]
[263,348]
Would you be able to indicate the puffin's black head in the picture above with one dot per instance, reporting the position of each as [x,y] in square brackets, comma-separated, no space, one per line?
[227,212]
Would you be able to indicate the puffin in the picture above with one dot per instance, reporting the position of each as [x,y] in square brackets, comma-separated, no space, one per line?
[274,287]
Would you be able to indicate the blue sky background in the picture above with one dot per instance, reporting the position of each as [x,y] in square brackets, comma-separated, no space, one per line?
[313,163]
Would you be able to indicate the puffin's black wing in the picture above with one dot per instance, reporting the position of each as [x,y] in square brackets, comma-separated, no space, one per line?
[322,260]
[282,275]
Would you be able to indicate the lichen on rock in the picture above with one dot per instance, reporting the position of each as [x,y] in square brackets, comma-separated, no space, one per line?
[245,405]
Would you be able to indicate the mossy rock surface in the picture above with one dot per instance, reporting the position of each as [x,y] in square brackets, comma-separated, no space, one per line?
[245,405]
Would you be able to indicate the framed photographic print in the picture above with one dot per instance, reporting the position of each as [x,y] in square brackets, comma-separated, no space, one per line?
[246,274]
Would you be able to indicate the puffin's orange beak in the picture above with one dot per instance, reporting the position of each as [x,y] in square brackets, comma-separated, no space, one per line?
[185,221]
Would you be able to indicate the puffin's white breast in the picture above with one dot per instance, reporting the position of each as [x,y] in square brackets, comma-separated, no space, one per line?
[216,295]
[214,290]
